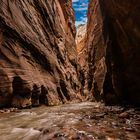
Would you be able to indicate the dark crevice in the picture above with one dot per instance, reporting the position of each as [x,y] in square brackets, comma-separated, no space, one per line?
[64,89]
[35,95]
[21,87]
[114,62]
[60,94]
[43,98]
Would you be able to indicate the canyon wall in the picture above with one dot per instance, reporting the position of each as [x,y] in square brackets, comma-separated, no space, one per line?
[81,41]
[38,57]
[113,44]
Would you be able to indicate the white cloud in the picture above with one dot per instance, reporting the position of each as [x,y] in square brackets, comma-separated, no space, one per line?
[80,9]
[84,19]
[75,0]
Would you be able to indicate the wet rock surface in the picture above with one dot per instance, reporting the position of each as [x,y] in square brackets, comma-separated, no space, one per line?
[83,121]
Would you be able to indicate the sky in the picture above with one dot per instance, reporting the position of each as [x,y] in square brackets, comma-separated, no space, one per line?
[80,8]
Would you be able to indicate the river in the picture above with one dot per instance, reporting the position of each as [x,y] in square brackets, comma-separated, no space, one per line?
[80,121]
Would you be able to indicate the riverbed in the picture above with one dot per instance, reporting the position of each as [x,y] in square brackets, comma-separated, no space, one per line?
[81,121]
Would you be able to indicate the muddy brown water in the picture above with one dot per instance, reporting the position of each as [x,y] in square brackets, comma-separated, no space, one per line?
[81,121]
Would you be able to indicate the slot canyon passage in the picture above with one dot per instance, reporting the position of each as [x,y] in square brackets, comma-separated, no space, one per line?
[82,85]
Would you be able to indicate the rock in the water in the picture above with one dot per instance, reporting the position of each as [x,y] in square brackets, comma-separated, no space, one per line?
[124,115]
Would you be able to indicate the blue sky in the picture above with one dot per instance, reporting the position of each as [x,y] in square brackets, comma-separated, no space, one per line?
[80,8]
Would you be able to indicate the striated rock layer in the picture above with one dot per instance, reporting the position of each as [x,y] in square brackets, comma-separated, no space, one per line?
[38,61]
[80,39]
[113,42]
[80,44]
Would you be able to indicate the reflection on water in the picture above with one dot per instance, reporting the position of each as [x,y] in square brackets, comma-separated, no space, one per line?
[83,121]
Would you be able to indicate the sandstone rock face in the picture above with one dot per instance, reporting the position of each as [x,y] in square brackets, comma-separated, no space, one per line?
[80,44]
[82,59]
[113,42]
[80,36]
[38,58]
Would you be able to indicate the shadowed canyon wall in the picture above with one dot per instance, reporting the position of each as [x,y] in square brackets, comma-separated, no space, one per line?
[113,44]
[38,58]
